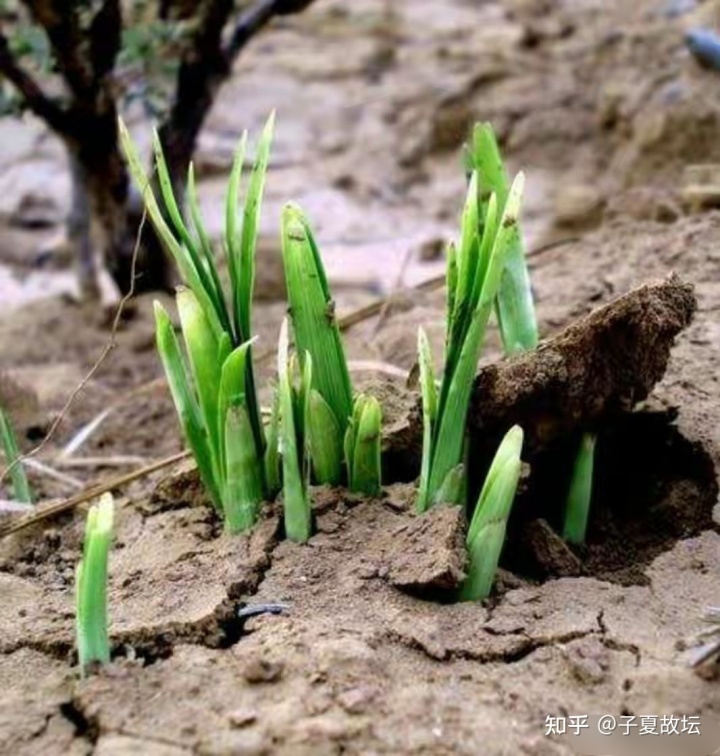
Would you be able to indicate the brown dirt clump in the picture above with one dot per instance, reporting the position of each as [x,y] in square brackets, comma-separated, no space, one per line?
[427,555]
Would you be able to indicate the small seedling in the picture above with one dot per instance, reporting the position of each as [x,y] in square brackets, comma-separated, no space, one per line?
[212,401]
[316,333]
[362,446]
[215,398]
[515,310]
[91,578]
[293,417]
[577,507]
[486,534]
[474,273]
[8,441]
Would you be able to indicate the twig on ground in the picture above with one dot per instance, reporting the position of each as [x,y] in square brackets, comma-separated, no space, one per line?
[50,472]
[41,512]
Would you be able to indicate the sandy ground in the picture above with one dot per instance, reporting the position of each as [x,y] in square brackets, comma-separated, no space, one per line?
[602,107]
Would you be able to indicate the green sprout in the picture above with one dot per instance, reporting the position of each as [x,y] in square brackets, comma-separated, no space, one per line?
[294,409]
[514,306]
[272,449]
[8,442]
[91,577]
[474,274]
[577,505]
[317,334]
[486,534]
[215,398]
[515,310]
[362,446]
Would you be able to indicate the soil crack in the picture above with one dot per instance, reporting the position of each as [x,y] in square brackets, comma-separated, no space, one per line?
[616,645]
[86,728]
[525,646]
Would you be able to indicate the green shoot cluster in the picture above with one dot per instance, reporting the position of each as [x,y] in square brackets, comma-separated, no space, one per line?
[474,273]
[342,433]
[516,318]
[214,389]
[317,430]
[11,452]
[91,578]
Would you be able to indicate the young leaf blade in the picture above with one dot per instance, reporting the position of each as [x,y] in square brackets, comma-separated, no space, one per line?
[429,408]
[232,392]
[367,459]
[91,618]
[577,507]
[486,534]
[312,314]
[248,238]
[244,477]
[296,502]
[324,440]
[186,405]
[203,350]
[515,307]
[179,253]
[272,454]
[8,441]
[232,237]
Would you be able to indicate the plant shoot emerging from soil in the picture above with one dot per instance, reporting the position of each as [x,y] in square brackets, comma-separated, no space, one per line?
[294,410]
[474,274]
[486,534]
[577,506]
[91,577]
[316,333]
[515,310]
[8,441]
[362,446]
[215,398]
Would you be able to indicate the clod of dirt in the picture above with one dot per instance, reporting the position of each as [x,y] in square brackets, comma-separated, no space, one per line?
[428,554]
[242,718]
[588,659]
[598,367]
[262,671]
[179,489]
[552,556]
[594,370]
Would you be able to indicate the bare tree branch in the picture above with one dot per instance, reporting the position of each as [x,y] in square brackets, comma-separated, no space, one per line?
[66,38]
[206,65]
[35,99]
[106,38]
[248,25]
[202,69]
[256,17]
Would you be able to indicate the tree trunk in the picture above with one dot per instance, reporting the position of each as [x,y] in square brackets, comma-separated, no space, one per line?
[105,216]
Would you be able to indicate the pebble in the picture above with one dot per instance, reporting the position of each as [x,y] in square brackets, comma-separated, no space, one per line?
[242,718]
[357,700]
[262,671]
